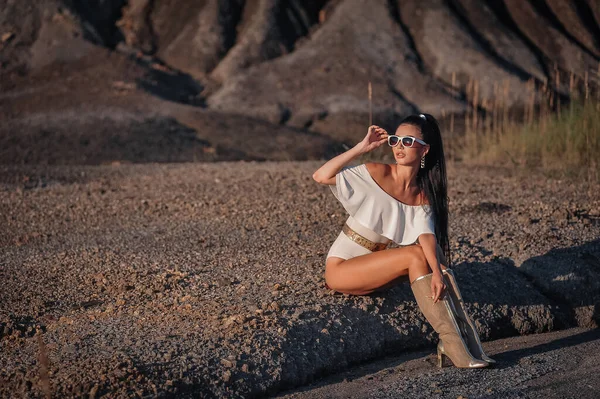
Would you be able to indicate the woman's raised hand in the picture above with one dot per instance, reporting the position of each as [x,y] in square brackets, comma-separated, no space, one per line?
[375,137]
[326,174]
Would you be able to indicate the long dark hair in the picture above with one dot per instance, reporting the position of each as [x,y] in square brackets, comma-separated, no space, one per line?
[432,178]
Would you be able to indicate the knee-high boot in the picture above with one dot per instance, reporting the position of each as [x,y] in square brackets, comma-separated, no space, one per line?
[465,323]
[442,318]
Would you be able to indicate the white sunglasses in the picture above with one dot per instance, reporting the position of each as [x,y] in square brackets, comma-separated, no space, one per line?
[406,141]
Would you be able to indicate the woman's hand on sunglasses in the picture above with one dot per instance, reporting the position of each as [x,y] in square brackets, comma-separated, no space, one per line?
[375,137]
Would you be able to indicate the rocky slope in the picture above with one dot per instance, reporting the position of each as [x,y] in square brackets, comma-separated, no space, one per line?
[284,67]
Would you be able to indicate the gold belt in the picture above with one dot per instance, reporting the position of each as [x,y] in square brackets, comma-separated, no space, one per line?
[362,241]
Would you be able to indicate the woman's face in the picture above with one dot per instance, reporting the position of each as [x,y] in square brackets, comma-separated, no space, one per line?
[409,155]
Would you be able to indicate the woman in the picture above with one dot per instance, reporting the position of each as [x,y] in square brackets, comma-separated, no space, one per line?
[406,203]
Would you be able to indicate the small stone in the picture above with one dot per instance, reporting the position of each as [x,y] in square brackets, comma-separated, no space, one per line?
[94,391]
[6,37]
[229,320]
[223,282]
[227,376]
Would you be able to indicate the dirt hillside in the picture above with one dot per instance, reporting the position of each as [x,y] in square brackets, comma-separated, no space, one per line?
[178,79]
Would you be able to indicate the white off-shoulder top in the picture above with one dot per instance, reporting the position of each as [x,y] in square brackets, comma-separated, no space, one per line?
[377,210]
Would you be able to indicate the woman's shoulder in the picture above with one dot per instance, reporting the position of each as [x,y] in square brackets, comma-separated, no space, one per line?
[378,169]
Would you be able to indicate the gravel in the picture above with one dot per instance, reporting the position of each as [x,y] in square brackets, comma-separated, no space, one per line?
[206,280]
[562,364]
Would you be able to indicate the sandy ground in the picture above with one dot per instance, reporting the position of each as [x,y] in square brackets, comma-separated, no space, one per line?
[206,280]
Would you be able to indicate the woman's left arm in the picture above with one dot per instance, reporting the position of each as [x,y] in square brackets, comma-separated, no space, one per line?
[429,246]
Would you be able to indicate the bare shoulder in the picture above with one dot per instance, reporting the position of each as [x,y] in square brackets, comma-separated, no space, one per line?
[378,169]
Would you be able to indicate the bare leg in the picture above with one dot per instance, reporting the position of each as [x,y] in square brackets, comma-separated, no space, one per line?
[393,283]
[364,274]
[378,271]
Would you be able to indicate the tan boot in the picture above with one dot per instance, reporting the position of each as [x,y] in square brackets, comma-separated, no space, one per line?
[442,318]
[464,321]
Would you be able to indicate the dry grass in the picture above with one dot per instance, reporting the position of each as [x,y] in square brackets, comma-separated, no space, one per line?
[568,141]
[556,131]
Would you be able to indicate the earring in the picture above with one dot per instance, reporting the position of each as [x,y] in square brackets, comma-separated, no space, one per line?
[423,163]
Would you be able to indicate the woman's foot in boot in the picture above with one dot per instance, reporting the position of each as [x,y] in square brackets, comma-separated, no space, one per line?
[442,318]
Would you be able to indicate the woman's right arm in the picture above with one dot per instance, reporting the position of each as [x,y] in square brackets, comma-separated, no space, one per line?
[375,137]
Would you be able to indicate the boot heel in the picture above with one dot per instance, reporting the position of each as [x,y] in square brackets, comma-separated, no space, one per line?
[468,329]
[441,316]
[440,358]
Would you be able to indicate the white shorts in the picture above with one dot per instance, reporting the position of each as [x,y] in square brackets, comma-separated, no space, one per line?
[345,248]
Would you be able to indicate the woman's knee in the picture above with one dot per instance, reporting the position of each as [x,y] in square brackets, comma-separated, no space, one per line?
[418,259]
